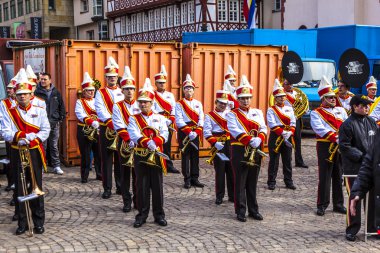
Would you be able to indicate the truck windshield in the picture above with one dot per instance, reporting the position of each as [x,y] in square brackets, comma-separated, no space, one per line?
[313,72]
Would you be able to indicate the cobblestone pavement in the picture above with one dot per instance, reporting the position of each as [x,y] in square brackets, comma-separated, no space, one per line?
[78,219]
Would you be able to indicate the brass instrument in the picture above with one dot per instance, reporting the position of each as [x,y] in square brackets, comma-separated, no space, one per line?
[280,139]
[151,161]
[185,143]
[300,106]
[90,131]
[251,152]
[333,148]
[112,135]
[214,150]
[26,161]
[126,151]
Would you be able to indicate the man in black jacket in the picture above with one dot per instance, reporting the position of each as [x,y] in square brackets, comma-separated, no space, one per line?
[356,135]
[56,113]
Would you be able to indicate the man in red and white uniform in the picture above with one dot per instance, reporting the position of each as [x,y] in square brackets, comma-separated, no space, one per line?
[27,125]
[33,81]
[149,132]
[105,98]
[189,118]
[325,121]
[87,117]
[230,79]
[282,124]
[248,132]
[164,104]
[371,87]
[217,134]
[120,117]
[344,96]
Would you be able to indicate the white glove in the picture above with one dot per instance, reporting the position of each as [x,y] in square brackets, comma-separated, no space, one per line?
[255,142]
[95,124]
[168,122]
[286,134]
[23,142]
[192,135]
[31,136]
[131,144]
[152,145]
[219,146]
[337,140]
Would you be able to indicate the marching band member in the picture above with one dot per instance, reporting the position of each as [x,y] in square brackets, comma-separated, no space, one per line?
[282,122]
[120,117]
[217,134]
[230,79]
[189,120]
[325,121]
[290,100]
[371,87]
[33,81]
[164,104]
[27,126]
[104,101]
[344,96]
[248,133]
[88,119]
[149,131]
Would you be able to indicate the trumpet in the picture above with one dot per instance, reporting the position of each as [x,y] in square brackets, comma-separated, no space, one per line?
[214,150]
[251,152]
[333,148]
[280,139]
[186,143]
[126,151]
[26,161]
[112,135]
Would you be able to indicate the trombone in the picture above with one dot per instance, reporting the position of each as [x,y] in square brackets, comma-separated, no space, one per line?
[26,161]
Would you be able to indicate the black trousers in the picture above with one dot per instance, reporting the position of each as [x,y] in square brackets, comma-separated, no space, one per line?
[189,159]
[107,157]
[36,205]
[354,222]
[223,173]
[286,156]
[126,172]
[8,167]
[245,181]
[148,180]
[167,150]
[328,174]
[297,142]
[85,148]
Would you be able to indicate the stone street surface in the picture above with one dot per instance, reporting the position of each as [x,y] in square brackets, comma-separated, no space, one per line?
[79,220]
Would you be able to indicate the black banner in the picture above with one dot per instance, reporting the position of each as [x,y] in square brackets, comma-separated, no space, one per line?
[5,32]
[36,27]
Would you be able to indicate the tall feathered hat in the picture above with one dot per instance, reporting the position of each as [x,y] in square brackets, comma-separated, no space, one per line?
[188,82]
[31,76]
[147,92]
[278,90]
[127,81]
[23,86]
[112,69]
[230,74]
[162,76]
[372,83]
[88,83]
[325,88]
[245,89]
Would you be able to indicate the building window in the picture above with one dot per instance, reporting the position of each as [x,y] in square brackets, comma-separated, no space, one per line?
[222,10]
[170,16]
[123,25]
[133,23]
[191,12]
[163,18]
[242,18]
[90,35]
[234,11]
[151,20]
[13,9]
[157,19]
[51,5]
[139,22]
[184,13]
[177,15]
[103,30]
[84,6]
[277,5]
[6,11]
[36,4]
[20,7]
[28,7]
[98,8]
[146,22]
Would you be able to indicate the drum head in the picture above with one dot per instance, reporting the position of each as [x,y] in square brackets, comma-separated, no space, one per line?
[354,68]
[292,67]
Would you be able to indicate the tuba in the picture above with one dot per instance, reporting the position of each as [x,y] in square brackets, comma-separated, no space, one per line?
[301,105]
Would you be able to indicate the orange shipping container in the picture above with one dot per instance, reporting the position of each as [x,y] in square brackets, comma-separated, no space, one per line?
[69,59]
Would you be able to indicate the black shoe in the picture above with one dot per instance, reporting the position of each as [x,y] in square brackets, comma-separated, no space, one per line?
[241,218]
[127,208]
[8,188]
[118,191]
[271,187]
[291,186]
[39,230]
[187,185]
[106,194]
[161,222]
[20,230]
[256,216]
[320,211]
[173,170]
[302,165]
[340,209]
[12,202]
[99,178]
[231,199]
[350,237]
[83,181]
[15,217]
[138,223]
[218,201]
[196,183]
